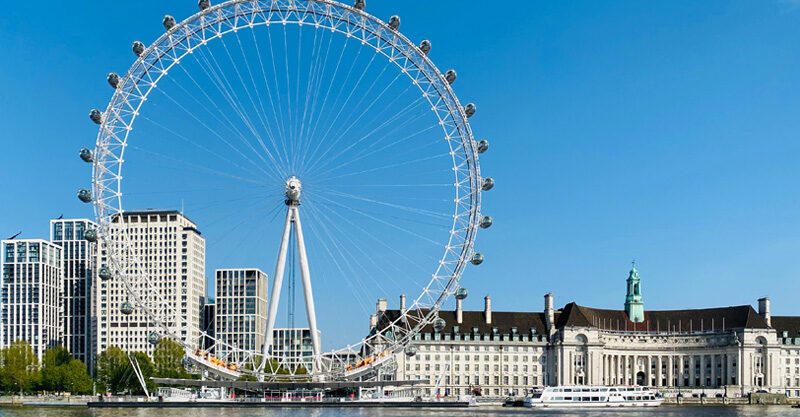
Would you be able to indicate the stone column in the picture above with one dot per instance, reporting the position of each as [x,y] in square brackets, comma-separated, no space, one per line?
[647,373]
[669,371]
[702,370]
[691,370]
[659,373]
[633,369]
[714,370]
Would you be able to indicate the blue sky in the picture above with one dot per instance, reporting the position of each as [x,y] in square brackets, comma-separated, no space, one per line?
[665,132]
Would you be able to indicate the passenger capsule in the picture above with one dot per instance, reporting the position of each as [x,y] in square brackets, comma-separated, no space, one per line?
[204,4]
[113,79]
[394,22]
[84,195]
[461,293]
[104,273]
[469,109]
[187,363]
[450,76]
[483,146]
[138,48]
[126,308]
[410,350]
[90,235]
[487,184]
[359,4]
[477,258]
[486,222]
[438,324]
[86,155]
[96,116]
[425,46]
[169,22]
[153,338]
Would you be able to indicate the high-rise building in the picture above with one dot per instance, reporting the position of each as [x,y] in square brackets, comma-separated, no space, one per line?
[171,252]
[31,293]
[208,325]
[80,272]
[294,345]
[241,310]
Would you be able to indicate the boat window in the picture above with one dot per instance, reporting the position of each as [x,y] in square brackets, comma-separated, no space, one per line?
[603,399]
[595,399]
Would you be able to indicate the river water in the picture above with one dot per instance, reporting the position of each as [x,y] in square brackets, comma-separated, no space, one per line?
[666,411]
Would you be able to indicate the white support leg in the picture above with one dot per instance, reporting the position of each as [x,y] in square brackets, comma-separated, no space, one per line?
[306,275]
[277,282]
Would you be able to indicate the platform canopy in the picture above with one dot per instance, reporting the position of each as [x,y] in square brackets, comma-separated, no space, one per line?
[286,386]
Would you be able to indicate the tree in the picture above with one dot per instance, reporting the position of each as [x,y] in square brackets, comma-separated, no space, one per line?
[112,366]
[52,374]
[19,367]
[115,373]
[76,378]
[167,359]
[147,371]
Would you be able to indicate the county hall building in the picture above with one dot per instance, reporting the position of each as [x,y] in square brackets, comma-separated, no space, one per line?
[729,350]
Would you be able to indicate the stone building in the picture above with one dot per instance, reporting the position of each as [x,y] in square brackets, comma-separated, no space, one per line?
[731,350]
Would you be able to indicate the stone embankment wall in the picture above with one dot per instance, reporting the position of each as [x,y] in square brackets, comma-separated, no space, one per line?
[755,399]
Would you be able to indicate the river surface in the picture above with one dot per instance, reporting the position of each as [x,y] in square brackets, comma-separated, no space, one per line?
[666,411]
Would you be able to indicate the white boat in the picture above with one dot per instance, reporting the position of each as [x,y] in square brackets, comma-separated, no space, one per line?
[594,397]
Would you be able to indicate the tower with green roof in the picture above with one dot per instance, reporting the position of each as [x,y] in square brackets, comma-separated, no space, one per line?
[634,307]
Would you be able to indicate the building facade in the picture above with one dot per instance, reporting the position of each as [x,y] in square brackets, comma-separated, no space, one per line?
[241,310]
[171,251]
[31,295]
[80,272]
[208,325]
[731,350]
[294,345]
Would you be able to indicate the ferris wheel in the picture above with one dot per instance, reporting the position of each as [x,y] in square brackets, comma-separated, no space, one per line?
[252,112]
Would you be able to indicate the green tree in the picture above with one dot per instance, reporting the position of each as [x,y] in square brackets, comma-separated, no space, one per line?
[167,358]
[147,371]
[19,367]
[113,370]
[52,373]
[76,379]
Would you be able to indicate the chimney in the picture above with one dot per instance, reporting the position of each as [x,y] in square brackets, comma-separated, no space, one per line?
[549,315]
[763,310]
[459,312]
[487,309]
[381,306]
[402,303]
[373,321]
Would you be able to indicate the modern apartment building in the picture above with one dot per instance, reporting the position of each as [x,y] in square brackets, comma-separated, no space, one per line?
[31,295]
[294,345]
[241,310]
[80,275]
[171,251]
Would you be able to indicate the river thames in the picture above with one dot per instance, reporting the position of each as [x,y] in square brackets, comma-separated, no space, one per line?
[669,411]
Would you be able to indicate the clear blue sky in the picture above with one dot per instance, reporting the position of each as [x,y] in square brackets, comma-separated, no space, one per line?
[666,132]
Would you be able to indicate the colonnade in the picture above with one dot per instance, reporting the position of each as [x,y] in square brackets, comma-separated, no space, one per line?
[672,370]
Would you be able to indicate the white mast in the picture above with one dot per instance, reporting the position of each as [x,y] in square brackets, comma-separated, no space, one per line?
[293,188]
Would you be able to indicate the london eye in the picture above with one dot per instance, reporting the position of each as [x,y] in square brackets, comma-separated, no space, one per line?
[306,136]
